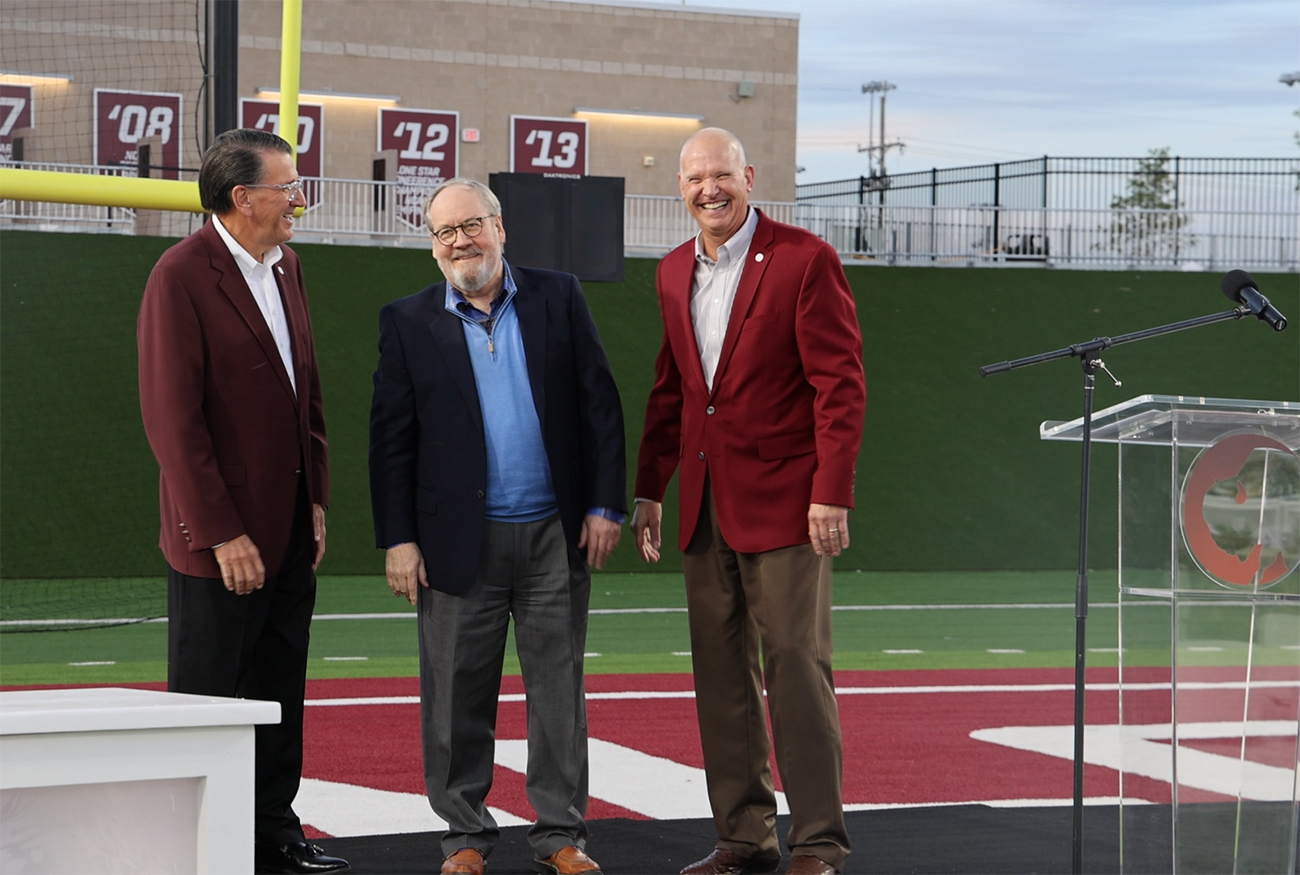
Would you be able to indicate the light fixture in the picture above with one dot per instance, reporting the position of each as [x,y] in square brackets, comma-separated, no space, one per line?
[640,114]
[327,94]
[22,77]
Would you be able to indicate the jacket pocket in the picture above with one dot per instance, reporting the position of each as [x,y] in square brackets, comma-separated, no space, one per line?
[783,446]
[426,501]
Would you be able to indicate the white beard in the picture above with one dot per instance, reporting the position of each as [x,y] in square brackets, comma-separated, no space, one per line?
[469,278]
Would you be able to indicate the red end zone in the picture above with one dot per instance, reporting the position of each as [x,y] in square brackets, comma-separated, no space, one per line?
[909,737]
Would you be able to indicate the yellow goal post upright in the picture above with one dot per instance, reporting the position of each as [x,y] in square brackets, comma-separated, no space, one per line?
[158,194]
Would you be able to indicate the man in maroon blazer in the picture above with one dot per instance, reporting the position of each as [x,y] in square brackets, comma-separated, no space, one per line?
[758,400]
[231,400]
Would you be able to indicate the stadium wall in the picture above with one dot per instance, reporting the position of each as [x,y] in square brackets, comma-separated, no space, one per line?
[952,474]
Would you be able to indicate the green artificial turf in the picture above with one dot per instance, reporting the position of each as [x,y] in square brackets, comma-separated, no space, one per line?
[630,641]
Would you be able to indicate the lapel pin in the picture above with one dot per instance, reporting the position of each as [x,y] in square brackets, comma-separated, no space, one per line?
[277,267]
[758,257]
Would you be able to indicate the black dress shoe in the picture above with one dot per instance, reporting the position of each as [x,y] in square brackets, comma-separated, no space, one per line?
[296,858]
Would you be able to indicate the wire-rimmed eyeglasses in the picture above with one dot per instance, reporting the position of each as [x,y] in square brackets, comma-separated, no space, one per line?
[292,189]
[472,228]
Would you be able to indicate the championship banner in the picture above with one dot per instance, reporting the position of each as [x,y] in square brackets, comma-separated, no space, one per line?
[16,102]
[550,146]
[426,144]
[264,115]
[124,118]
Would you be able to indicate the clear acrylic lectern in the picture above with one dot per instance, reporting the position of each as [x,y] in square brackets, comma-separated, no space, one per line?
[1209,632]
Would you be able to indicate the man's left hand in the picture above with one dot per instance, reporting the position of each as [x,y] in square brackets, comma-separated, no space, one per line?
[828,527]
[318,532]
[600,537]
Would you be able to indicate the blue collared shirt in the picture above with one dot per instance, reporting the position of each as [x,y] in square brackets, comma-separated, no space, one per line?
[519,485]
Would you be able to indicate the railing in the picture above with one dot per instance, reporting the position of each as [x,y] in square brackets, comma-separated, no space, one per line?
[1234,184]
[388,214]
[1078,238]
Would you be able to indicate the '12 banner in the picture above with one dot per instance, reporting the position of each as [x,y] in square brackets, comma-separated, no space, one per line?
[426,142]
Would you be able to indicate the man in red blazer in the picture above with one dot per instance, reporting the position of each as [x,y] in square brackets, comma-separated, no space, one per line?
[231,400]
[758,400]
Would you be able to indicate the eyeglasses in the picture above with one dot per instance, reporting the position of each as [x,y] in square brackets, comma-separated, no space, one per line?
[292,189]
[471,227]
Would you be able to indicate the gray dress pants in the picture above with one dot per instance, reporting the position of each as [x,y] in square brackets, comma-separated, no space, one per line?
[525,572]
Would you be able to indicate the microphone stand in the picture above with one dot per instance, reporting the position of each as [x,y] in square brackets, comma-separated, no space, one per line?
[1089,354]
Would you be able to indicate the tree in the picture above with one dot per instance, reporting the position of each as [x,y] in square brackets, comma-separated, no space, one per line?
[1146,223]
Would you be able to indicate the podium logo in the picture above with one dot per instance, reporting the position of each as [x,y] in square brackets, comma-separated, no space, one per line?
[1240,510]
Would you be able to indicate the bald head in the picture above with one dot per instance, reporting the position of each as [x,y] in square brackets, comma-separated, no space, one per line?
[716,141]
[715,182]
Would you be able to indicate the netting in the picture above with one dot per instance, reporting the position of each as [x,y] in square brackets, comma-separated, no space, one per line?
[86,82]
[89,82]
[37,605]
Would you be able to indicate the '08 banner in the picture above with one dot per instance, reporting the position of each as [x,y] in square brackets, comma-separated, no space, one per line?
[123,119]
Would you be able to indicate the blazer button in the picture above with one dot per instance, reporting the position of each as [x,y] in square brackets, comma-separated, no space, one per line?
[297,471]
[480,493]
[709,410]
[701,457]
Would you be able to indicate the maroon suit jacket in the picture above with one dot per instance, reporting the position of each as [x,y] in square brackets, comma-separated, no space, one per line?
[782,426]
[231,439]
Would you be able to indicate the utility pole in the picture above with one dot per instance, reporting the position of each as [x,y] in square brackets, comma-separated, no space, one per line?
[874,152]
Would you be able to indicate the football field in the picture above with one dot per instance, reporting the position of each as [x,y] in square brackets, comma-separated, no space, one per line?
[954,688]
[888,621]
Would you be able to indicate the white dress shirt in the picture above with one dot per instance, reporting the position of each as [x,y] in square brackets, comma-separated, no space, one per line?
[713,292]
[261,282]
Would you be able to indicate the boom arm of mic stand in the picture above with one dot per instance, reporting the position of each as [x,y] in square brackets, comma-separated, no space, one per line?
[1088,353]
[1092,347]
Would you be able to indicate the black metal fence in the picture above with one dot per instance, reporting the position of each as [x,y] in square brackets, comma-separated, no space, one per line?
[1250,185]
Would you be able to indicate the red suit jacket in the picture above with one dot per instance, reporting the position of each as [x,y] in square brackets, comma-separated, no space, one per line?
[231,439]
[782,427]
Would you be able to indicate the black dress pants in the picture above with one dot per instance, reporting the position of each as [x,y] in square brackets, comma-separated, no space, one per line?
[253,647]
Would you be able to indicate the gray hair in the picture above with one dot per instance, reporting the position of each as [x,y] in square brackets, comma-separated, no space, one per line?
[490,201]
[234,158]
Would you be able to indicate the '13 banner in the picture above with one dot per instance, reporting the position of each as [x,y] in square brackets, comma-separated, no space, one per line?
[550,146]
[123,119]
[426,144]
[264,115]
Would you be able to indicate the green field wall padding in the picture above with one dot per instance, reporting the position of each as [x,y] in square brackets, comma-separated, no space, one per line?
[951,475]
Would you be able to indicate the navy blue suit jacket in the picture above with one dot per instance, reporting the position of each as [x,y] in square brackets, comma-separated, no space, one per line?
[428,453]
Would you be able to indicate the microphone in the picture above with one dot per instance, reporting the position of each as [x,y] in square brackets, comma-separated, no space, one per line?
[1239,286]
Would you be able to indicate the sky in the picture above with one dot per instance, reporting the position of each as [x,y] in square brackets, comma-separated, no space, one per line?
[979,81]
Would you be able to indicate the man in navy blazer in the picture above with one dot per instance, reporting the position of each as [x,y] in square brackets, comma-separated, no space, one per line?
[497,475]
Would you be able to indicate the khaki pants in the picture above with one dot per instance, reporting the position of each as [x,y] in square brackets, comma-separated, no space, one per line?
[780,601]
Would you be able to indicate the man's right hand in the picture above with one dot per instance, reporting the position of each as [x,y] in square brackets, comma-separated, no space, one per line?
[241,565]
[646,518]
[404,566]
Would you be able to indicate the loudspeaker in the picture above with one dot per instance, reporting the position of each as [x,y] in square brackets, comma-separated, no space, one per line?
[570,224]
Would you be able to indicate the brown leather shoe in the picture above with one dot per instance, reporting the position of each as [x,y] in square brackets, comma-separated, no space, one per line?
[466,861]
[568,860]
[725,862]
[806,864]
